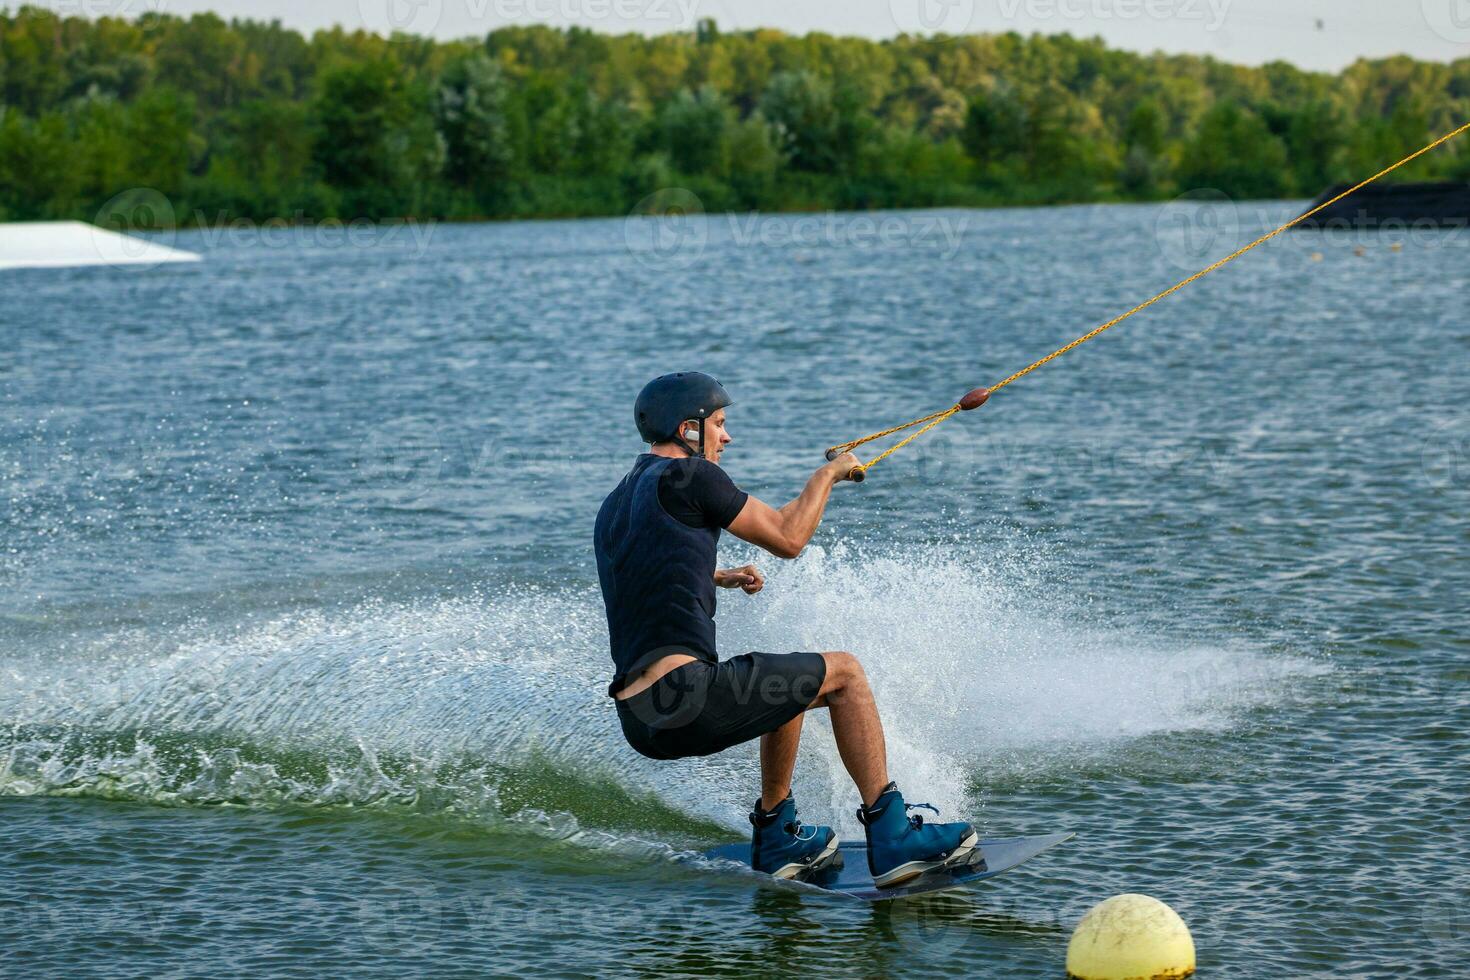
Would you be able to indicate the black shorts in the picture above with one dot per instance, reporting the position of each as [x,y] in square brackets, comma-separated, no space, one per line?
[702,708]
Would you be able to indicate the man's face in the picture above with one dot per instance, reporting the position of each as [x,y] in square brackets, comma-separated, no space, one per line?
[716,437]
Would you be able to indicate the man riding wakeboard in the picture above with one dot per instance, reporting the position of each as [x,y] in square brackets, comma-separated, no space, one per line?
[656,539]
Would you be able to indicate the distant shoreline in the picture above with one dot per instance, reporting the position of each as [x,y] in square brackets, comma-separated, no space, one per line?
[166,116]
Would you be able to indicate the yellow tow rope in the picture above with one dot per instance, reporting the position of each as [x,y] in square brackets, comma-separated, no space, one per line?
[978,397]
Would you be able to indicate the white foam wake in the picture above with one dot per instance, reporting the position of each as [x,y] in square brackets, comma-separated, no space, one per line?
[973,667]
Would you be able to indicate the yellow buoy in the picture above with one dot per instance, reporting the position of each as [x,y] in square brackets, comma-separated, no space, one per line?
[1316,256]
[1130,937]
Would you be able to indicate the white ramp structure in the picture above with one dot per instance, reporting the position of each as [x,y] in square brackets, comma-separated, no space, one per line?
[62,244]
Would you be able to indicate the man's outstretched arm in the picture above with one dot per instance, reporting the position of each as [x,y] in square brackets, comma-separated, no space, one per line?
[785,532]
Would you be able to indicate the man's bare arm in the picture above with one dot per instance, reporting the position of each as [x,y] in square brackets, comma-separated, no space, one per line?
[785,532]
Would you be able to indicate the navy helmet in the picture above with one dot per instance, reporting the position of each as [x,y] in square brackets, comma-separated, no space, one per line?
[667,402]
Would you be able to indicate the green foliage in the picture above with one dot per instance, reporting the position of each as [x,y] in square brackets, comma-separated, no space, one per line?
[374,142]
[38,174]
[262,164]
[755,160]
[995,128]
[1233,151]
[230,119]
[470,110]
[1144,150]
[822,126]
[694,129]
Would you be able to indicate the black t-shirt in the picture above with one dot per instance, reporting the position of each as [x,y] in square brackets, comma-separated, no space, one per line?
[698,493]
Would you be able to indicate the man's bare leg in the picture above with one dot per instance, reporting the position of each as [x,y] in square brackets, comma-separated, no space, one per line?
[855,724]
[778,762]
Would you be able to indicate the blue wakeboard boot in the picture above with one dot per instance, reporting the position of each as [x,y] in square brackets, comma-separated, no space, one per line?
[902,847]
[783,848]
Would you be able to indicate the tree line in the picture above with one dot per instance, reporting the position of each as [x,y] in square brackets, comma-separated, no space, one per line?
[244,119]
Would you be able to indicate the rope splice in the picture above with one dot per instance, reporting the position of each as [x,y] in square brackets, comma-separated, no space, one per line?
[972,400]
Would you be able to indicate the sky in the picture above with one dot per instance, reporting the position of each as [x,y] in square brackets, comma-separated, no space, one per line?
[1316,34]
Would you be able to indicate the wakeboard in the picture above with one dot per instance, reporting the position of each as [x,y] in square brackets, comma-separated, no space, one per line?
[849,875]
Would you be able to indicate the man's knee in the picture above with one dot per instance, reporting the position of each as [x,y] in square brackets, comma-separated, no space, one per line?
[842,666]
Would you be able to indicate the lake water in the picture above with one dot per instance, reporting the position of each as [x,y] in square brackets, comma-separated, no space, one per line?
[302,656]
